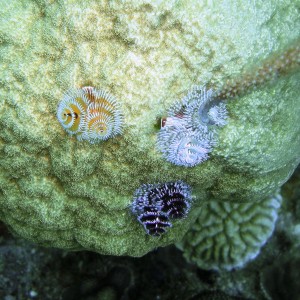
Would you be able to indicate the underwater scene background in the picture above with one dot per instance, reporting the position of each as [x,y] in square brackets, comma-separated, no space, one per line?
[149,149]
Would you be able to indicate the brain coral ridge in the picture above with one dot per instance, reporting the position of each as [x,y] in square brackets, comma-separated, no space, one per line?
[72,188]
[93,115]
[227,236]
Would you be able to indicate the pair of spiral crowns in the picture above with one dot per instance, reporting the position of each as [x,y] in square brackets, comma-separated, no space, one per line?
[188,134]
[90,114]
[155,205]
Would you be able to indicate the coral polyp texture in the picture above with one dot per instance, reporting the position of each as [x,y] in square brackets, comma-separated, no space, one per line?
[93,115]
[227,236]
[155,205]
[70,183]
[189,132]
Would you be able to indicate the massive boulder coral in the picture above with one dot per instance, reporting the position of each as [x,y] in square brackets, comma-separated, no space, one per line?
[58,191]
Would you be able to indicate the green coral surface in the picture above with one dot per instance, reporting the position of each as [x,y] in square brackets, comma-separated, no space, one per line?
[60,192]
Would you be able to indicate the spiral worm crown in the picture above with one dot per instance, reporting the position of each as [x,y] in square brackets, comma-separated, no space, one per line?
[189,132]
[155,205]
[93,115]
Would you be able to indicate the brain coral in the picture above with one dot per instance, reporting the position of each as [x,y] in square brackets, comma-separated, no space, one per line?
[58,191]
[228,235]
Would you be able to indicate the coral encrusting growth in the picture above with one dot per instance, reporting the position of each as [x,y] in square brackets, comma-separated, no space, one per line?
[227,236]
[61,192]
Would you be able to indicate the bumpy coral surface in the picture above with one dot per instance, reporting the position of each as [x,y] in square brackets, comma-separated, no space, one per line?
[227,235]
[58,191]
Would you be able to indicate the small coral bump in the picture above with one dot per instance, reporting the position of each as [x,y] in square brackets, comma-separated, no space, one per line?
[99,117]
[155,204]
